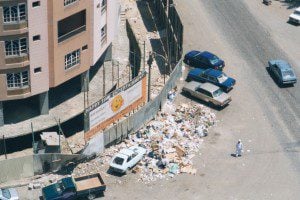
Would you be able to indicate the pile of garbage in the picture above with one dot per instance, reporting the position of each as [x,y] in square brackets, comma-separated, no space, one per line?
[172,139]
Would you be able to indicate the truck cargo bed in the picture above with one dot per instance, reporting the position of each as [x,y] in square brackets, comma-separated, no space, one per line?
[88,184]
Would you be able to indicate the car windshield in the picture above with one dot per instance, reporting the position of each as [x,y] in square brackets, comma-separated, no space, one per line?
[218,92]
[297,12]
[214,60]
[118,161]
[222,78]
[287,74]
[6,193]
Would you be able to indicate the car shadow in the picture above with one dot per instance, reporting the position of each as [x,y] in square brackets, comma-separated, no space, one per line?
[276,81]
[292,23]
[113,173]
[217,108]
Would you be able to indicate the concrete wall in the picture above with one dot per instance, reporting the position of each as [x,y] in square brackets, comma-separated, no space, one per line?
[134,122]
[17,168]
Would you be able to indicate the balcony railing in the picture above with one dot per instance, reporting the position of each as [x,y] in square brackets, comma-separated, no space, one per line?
[72,33]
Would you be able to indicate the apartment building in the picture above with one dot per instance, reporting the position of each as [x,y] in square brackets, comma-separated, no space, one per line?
[45,43]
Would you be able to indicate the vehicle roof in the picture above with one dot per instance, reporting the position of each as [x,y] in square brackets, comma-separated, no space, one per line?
[298,9]
[207,54]
[209,87]
[213,72]
[282,64]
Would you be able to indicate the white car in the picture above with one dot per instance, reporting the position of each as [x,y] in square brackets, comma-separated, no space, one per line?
[9,194]
[295,17]
[126,159]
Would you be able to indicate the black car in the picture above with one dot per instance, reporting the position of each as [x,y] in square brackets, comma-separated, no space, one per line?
[203,60]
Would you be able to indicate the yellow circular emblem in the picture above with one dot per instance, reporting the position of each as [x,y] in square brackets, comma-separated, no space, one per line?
[117,103]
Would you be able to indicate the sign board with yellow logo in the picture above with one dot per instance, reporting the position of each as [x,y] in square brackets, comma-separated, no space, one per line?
[116,104]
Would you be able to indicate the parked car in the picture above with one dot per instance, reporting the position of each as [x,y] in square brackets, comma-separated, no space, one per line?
[203,60]
[126,159]
[295,16]
[69,188]
[213,76]
[282,71]
[9,194]
[207,92]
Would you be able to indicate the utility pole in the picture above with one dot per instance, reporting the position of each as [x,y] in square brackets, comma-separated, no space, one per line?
[118,74]
[149,62]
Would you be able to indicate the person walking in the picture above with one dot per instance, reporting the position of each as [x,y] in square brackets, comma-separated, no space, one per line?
[239,148]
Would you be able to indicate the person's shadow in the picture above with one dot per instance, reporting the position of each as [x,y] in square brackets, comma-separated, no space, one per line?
[234,155]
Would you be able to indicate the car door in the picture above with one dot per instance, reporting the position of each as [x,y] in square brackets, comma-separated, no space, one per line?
[212,79]
[129,162]
[203,77]
[201,94]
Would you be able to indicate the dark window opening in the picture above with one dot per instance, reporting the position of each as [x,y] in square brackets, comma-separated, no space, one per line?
[71,26]
[85,47]
[36,37]
[37,70]
[36,4]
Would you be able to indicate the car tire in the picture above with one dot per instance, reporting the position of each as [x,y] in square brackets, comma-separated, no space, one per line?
[188,79]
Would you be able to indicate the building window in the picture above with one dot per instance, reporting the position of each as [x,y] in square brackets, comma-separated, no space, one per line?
[103,34]
[103,6]
[16,47]
[14,14]
[17,80]
[68,2]
[36,37]
[71,26]
[36,4]
[37,70]
[72,59]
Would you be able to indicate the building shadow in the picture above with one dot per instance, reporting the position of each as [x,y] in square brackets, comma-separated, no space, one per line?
[64,92]
[144,10]
[20,110]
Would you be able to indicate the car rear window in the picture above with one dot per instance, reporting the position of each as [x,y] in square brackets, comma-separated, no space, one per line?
[287,73]
[118,161]
[222,78]
[214,60]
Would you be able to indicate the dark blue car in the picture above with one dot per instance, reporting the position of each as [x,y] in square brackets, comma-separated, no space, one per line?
[213,76]
[203,60]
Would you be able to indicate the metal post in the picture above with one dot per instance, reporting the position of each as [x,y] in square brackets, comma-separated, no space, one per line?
[149,62]
[149,84]
[133,64]
[144,60]
[4,143]
[103,78]
[59,135]
[118,68]
[112,74]
[32,137]
[167,33]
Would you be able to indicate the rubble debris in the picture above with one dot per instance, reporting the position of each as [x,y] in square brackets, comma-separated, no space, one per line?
[172,139]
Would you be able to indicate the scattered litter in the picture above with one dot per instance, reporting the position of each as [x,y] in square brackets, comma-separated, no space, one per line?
[172,139]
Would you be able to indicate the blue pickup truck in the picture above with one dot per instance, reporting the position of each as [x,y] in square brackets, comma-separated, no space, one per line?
[213,76]
[86,187]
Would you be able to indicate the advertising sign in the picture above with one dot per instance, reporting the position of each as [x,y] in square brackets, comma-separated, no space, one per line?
[116,104]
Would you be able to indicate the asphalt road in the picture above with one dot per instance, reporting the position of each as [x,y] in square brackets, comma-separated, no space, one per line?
[266,117]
